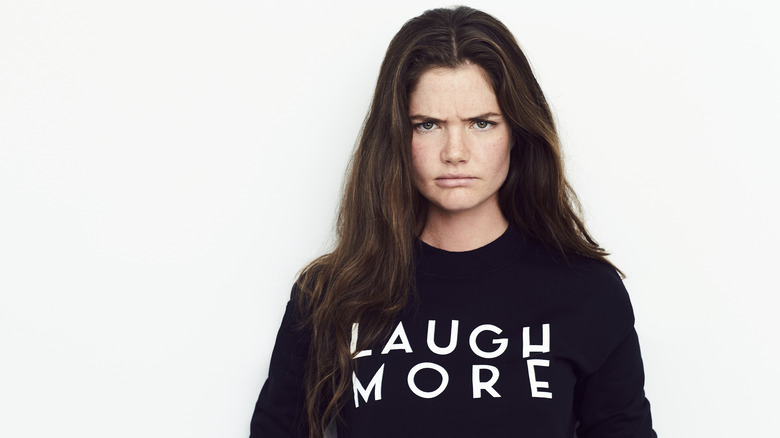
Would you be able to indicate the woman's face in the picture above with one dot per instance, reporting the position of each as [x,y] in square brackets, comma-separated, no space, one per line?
[460,141]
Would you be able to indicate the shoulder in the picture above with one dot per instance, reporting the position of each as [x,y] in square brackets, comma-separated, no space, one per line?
[600,282]
[588,288]
[578,269]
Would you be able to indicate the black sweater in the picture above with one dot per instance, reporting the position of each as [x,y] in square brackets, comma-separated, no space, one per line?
[505,340]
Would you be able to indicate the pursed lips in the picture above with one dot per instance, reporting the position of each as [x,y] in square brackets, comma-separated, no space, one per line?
[454,180]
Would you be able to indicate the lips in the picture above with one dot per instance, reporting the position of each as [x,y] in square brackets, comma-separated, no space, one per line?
[455,180]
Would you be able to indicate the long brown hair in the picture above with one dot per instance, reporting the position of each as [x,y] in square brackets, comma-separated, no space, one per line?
[369,276]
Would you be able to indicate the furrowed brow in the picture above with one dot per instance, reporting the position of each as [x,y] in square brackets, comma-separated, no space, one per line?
[482,117]
[422,118]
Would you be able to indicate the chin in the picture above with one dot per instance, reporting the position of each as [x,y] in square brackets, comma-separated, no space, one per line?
[455,207]
[464,204]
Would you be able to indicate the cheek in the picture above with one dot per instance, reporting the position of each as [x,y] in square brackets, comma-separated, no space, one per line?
[501,159]
[418,161]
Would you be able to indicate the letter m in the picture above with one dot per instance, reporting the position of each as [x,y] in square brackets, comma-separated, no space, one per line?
[374,385]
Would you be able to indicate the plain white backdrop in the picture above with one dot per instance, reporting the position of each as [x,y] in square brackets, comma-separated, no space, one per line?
[167,167]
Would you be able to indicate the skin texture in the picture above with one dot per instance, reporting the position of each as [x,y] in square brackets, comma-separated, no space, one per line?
[460,155]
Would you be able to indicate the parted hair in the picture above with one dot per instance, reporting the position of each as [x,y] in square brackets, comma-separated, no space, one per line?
[369,276]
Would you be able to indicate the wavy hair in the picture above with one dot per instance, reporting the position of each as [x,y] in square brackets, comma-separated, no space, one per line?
[369,276]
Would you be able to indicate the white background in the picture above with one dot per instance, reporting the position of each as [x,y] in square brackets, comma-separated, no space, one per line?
[166,168]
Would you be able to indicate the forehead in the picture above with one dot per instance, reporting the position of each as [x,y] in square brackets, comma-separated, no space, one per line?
[463,90]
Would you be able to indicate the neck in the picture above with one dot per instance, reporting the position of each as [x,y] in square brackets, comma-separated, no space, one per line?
[464,231]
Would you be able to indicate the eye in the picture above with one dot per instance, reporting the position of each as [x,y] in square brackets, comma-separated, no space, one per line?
[425,126]
[483,124]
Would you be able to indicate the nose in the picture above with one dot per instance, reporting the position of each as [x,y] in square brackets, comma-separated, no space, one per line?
[455,149]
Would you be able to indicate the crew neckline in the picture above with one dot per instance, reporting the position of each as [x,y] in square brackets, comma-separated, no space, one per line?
[443,263]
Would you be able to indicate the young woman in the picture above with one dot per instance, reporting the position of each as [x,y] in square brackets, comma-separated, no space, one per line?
[464,298]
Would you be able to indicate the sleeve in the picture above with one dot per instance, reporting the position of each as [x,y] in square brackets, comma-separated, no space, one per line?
[610,402]
[280,406]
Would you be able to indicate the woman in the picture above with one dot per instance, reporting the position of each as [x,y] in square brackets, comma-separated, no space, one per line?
[465,296]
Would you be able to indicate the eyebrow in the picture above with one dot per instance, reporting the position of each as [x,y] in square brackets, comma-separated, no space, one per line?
[469,119]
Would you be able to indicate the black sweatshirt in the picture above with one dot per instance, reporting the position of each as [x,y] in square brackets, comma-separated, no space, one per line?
[502,341]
